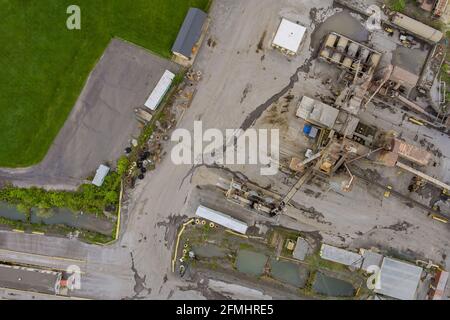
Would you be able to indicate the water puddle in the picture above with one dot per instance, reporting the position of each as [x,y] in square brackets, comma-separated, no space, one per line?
[288,272]
[251,263]
[59,216]
[343,23]
[332,287]
[209,251]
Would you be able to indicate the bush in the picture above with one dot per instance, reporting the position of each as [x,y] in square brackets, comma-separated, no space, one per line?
[122,165]
[397,5]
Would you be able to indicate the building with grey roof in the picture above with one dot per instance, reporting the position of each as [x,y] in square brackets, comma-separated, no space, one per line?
[399,279]
[341,256]
[301,249]
[189,34]
[29,279]
[370,259]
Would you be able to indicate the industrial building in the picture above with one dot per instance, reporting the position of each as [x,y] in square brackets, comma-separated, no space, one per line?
[189,36]
[437,288]
[222,219]
[417,28]
[338,255]
[399,279]
[316,112]
[289,36]
[370,258]
[325,116]
[350,55]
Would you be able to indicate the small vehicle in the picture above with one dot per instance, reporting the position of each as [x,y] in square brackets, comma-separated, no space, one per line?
[389,30]
[387,193]
[438,218]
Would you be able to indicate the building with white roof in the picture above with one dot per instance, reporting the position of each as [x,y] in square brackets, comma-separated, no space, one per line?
[100,175]
[221,219]
[160,90]
[338,255]
[289,37]
[399,279]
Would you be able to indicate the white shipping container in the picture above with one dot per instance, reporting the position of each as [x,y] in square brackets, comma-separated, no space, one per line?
[160,90]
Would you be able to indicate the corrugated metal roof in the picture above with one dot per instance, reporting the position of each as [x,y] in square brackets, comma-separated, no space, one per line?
[100,175]
[160,90]
[371,259]
[399,279]
[417,27]
[301,249]
[402,76]
[289,35]
[222,219]
[341,256]
[190,32]
[317,112]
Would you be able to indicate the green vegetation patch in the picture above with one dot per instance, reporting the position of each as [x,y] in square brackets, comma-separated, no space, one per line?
[43,65]
[88,198]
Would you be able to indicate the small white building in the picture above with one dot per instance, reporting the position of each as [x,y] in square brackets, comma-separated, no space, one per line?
[222,219]
[289,37]
[341,256]
[100,175]
[160,90]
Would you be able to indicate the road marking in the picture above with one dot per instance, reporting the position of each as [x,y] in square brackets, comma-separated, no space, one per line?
[43,256]
[44,294]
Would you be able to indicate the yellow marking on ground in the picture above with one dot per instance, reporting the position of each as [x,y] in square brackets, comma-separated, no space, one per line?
[38,232]
[18,230]
[178,242]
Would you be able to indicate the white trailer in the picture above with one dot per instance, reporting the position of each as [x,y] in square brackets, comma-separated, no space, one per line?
[160,90]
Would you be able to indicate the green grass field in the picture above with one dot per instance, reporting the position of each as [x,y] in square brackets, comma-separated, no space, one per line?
[43,66]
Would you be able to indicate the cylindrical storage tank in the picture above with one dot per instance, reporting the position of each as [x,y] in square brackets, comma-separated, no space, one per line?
[325,53]
[352,49]
[336,57]
[331,40]
[342,43]
[374,59]
[347,62]
[364,54]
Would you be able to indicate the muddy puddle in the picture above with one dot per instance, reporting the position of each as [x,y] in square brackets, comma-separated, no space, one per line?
[209,251]
[332,287]
[59,216]
[343,23]
[251,263]
[288,272]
